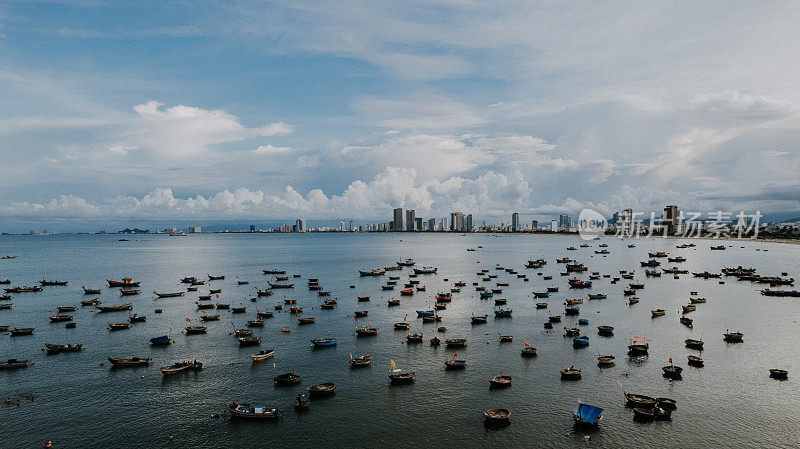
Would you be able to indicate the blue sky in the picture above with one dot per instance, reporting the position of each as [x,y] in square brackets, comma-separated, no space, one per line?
[268,111]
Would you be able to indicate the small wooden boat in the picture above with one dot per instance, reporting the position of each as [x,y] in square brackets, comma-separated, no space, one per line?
[181,367]
[587,415]
[237,309]
[733,337]
[638,400]
[479,319]
[209,317]
[570,374]
[302,404]
[415,337]
[694,344]
[605,330]
[168,295]
[375,272]
[255,412]
[205,306]
[20,331]
[194,330]
[23,289]
[322,390]
[541,305]
[506,338]
[686,321]
[215,278]
[14,364]
[367,331]
[497,417]
[129,362]
[306,320]
[262,355]
[90,302]
[242,332]
[52,283]
[91,291]
[287,379]
[249,341]
[571,311]
[274,271]
[56,349]
[125,282]
[162,340]
[137,318]
[695,361]
[117,308]
[118,326]
[128,292]
[60,318]
[580,342]
[697,300]
[658,312]
[554,318]
[455,364]
[279,285]
[528,351]
[689,308]
[220,305]
[672,371]
[323,342]
[780,374]
[402,326]
[361,313]
[502,313]
[260,293]
[360,361]
[500,382]
[455,342]
[643,414]
[215,291]
[605,360]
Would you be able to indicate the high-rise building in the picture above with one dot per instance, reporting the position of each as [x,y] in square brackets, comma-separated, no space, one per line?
[397,223]
[535,225]
[418,224]
[351,226]
[301,225]
[515,222]
[431,224]
[554,226]
[467,223]
[410,219]
[252,228]
[564,221]
[456,221]
[670,218]
[443,226]
[195,230]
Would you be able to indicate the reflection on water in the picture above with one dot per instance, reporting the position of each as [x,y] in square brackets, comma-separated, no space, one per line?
[82,401]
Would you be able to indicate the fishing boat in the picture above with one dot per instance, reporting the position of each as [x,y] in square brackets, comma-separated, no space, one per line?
[605,330]
[415,337]
[638,400]
[455,342]
[570,373]
[597,296]
[674,270]
[221,305]
[128,292]
[23,289]
[541,305]
[280,285]
[130,362]
[718,247]
[694,344]
[580,342]
[435,341]
[168,295]
[287,379]
[60,318]
[117,308]
[497,417]
[658,312]
[125,282]
[455,364]
[306,320]
[572,311]
[90,302]
[500,381]
[686,321]
[571,332]
[587,415]
[274,271]
[528,350]
[639,346]
[215,278]
[733,337]
[255,412]
[322,390]
[689,308]
[215,291]
[502,313]
[181,367]
[677,259]
[55,349]
[554,318]
[91,291]
[695,361]
[367,331]
[425,270]
[188,280]
[402,326]
[697,300]
[162,340]
[650,263]
[397,376]
[67,308]
[643,414]
[706,275]
[249,341]
[259,293]
[14,364]
[118,326]
[193,330]
[780,374]
[375,272]
[672,371]
[207,317]
[19,331]
[323,342]
[506,338]
[242,332]
[544,294]
[605,360]
[577,283]
[479,319]
[360,361]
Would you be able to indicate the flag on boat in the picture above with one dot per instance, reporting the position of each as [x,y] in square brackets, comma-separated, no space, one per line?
[188,320]
[670,360]
[393,365]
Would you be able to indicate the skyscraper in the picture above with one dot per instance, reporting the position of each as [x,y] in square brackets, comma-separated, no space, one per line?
[515,222]
[535,224]
[670,218]
[301,225]
[456,221]
[397,224]
[418,224]
[467,223]
[410,220]
[431,224]
[564,221]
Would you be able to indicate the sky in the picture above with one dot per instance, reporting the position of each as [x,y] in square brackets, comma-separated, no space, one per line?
[194,111]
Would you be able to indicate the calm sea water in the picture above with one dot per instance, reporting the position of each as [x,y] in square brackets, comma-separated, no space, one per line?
[82,402]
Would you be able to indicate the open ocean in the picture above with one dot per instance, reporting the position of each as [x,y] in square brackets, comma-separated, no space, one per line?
[80,401]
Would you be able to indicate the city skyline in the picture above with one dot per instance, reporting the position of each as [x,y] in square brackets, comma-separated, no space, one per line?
[267,111]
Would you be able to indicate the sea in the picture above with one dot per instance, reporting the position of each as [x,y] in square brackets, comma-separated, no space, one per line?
[77,400]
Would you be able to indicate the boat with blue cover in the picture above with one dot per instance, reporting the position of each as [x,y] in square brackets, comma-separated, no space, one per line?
[587,415]
[580,342]
[321,342]
[424,313]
